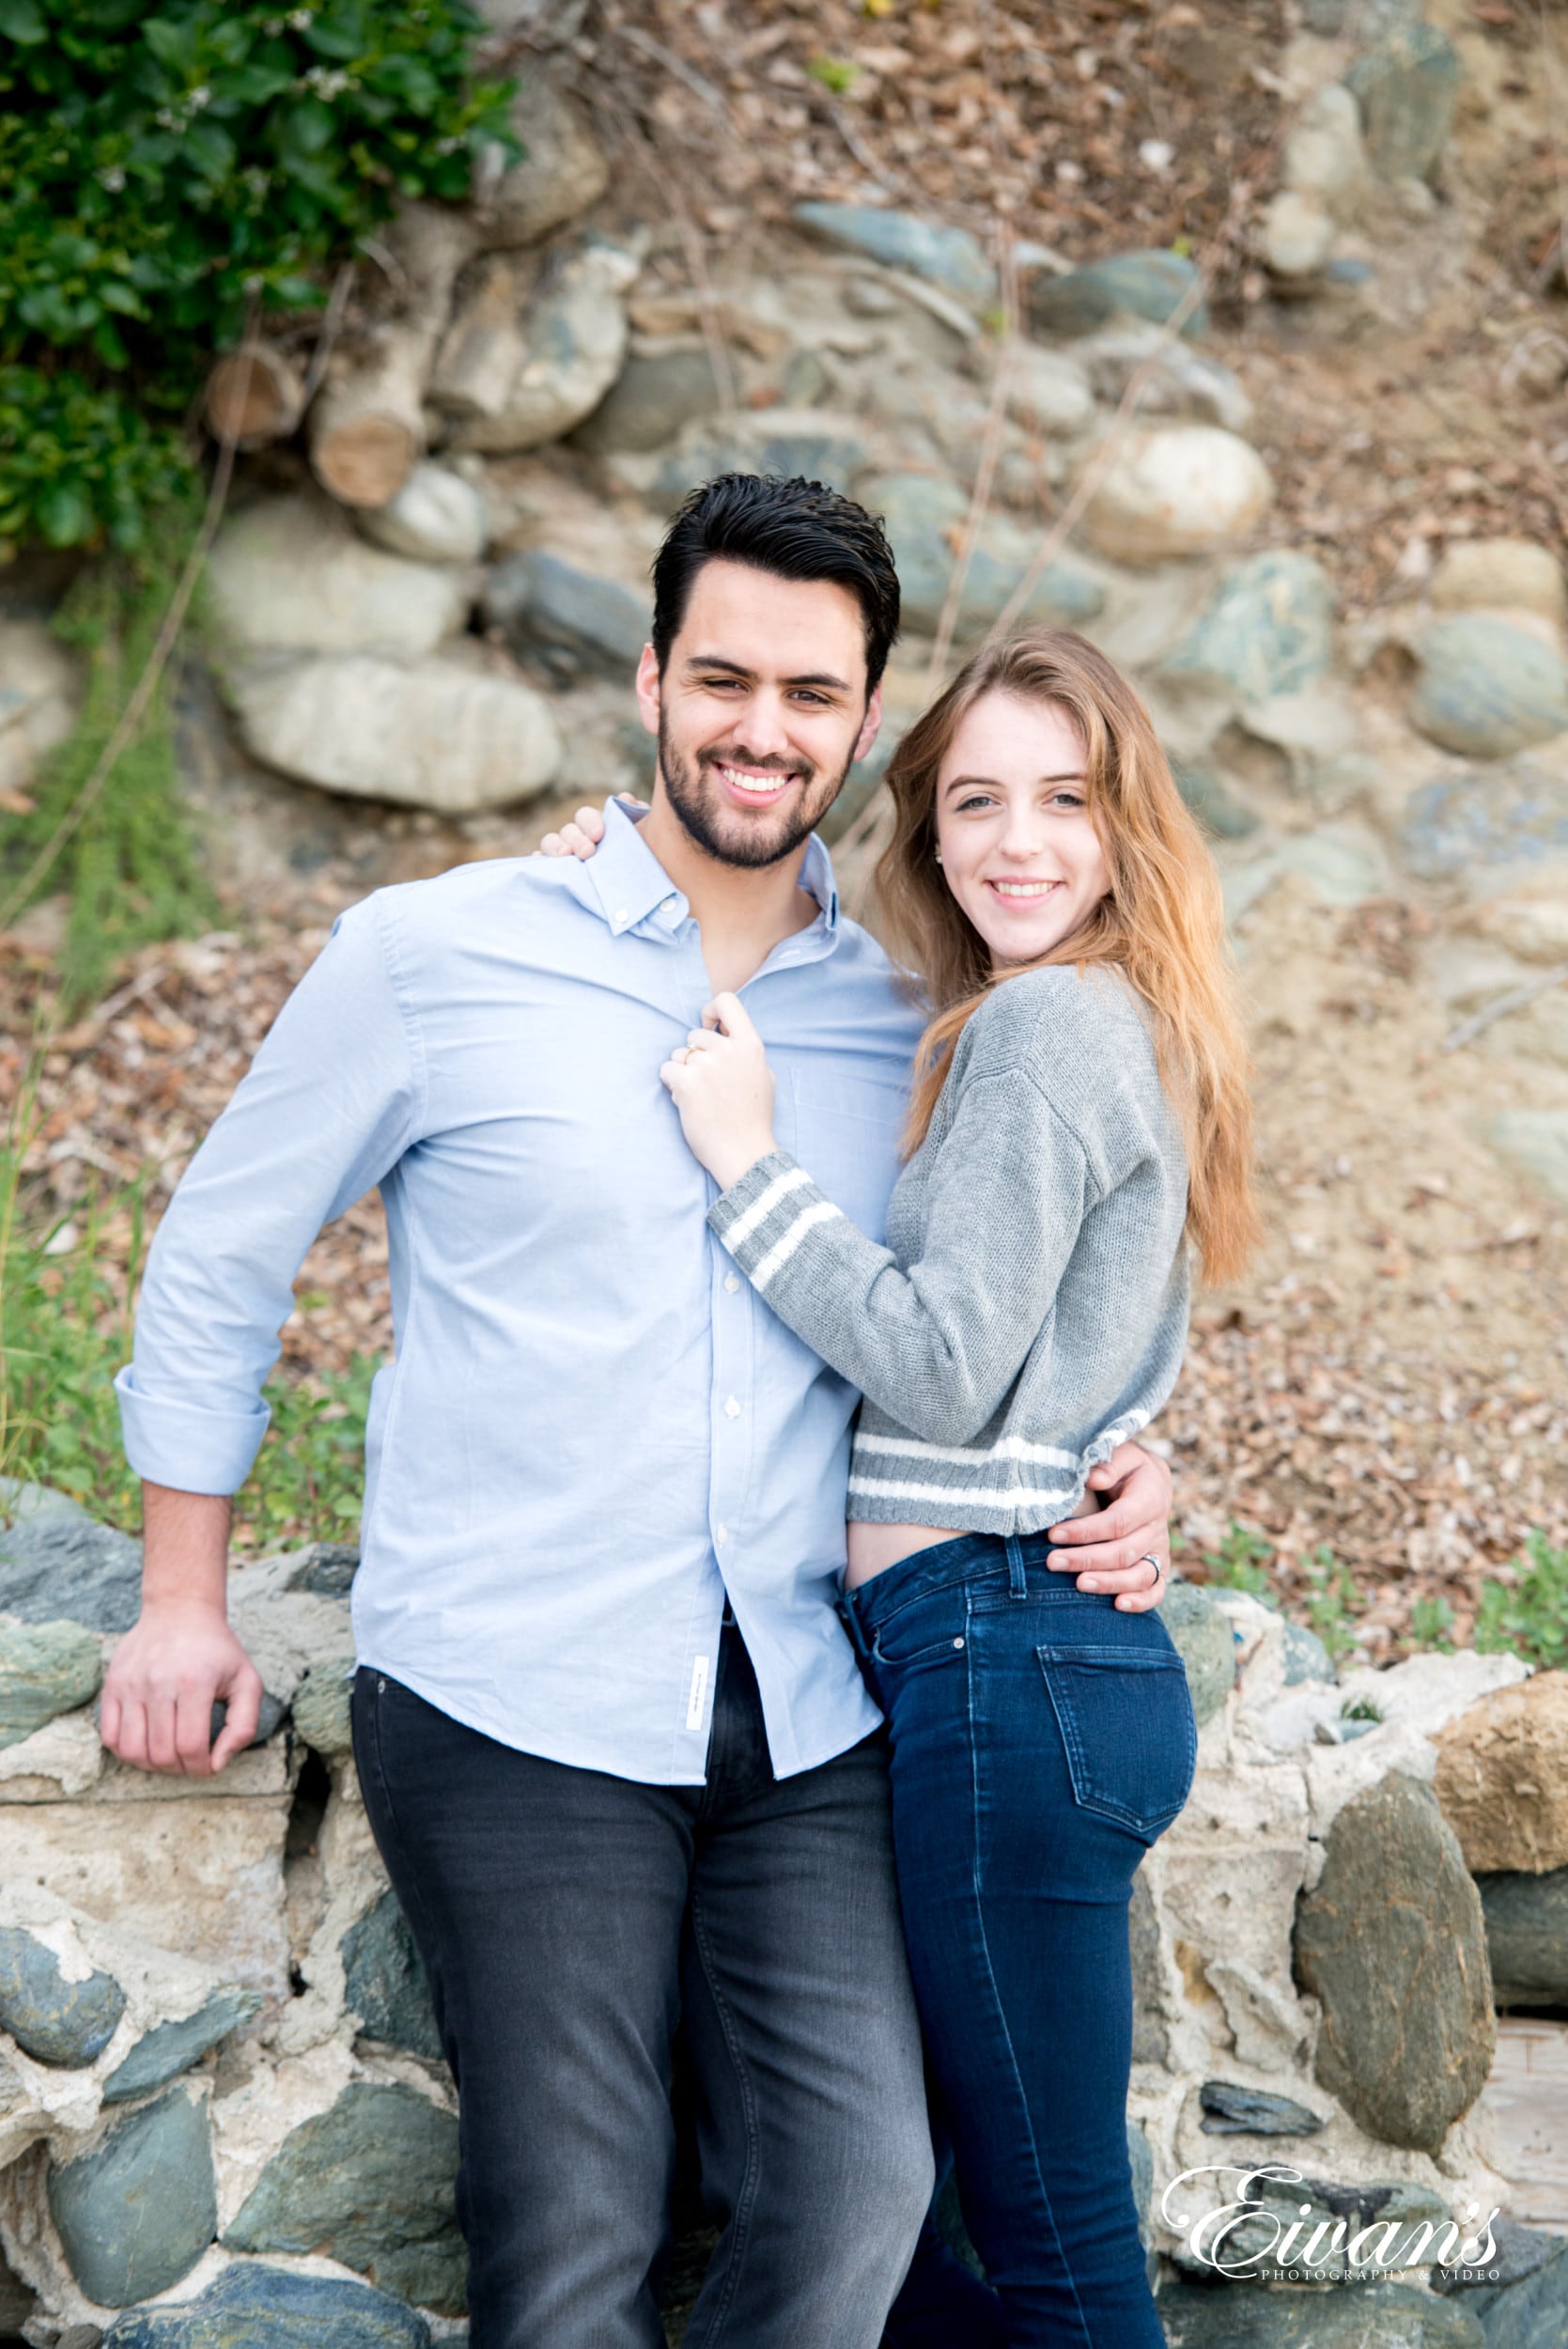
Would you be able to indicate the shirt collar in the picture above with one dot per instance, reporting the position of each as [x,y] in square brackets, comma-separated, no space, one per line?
[631,883]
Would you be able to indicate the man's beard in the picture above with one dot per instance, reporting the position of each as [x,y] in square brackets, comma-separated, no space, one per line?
[725,834]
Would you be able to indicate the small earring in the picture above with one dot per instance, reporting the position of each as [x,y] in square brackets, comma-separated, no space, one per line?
[938,855]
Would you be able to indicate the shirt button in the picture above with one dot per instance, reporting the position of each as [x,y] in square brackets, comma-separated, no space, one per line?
[731,1281]
[732,1408]
[668,906]
[622,917]
[722,1534]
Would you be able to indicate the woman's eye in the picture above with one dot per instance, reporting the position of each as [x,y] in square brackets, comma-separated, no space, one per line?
[1067,799]
[979,799]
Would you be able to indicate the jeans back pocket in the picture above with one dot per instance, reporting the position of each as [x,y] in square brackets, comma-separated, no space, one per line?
[1126,1722]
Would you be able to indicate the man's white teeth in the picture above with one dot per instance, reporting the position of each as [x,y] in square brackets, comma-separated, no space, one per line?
[763,787]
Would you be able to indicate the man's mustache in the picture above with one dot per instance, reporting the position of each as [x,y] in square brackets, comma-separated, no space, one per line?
[738,756]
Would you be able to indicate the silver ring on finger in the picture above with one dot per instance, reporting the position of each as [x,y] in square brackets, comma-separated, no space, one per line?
[679,1056]
[1149,1559]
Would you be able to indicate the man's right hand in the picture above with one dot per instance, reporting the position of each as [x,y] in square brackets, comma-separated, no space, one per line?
[166,1675]
[181,1658]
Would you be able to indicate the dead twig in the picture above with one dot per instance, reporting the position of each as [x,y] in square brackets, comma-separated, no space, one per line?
[1500,1005]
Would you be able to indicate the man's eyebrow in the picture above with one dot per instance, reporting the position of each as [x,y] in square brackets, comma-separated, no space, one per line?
[736,668]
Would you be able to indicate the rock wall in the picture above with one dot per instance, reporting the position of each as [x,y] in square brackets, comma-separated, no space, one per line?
[221,2092]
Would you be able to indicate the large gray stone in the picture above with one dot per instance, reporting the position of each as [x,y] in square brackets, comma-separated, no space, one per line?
[522,363]
[253,2307]
[1217,810]
[137,2212]
[1462,824]
[1150,284]
[52,1553]
[561,170]
[325,1569]
[369,2183]
[1231,2109]
[54,2020]
[923,514]
[441,733]
[1405,88]
[1516,2251]
[1201,1632]
[1358,2316]
[653,396]
[1178,381]
[796,443]
[1393,1943]
[169,2048]
[1527,2306]
[436,516]
[1176,490]
[321,1709]
[1270,629]
[290,574]
[384,1982]
[1487,689]
[45,1668]
[948,257]
[1527,1937]
[576,624]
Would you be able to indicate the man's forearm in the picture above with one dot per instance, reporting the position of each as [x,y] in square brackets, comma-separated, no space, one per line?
[184,1547]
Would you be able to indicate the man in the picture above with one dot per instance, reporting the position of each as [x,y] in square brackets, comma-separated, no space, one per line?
[612,1740]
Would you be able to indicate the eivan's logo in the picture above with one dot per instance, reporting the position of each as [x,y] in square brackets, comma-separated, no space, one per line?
[1251,2235]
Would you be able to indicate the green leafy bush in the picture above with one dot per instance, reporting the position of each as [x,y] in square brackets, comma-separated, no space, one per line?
[1527,1617]
[164,165]
[65,1330]
[1241,1563]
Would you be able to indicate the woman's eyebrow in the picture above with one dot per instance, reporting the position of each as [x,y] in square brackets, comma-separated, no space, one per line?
[989,783]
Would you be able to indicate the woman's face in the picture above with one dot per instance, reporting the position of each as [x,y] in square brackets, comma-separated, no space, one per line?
[1018,851]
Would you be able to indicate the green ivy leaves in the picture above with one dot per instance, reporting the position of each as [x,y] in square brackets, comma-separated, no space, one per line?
[162,163]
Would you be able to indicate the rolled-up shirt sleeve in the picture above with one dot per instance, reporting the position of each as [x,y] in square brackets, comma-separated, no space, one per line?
[330,1102]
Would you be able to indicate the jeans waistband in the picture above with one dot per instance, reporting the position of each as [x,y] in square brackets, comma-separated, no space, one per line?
[970,1558]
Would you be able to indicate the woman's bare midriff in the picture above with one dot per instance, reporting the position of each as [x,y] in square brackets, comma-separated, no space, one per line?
[874,1548]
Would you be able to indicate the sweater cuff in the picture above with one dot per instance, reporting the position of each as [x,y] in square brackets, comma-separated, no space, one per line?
[764,1217]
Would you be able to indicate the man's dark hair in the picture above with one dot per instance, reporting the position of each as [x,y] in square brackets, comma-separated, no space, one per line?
[795,529]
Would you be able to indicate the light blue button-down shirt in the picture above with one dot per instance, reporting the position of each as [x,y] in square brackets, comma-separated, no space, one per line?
[593,1427]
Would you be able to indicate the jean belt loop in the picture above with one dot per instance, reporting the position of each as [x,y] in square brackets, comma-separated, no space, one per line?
[1018,1573]
[849,1617]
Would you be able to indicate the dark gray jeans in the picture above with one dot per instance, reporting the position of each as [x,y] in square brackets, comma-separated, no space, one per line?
[569,1921]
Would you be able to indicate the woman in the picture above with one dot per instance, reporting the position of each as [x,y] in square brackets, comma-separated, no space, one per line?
[1079,1118]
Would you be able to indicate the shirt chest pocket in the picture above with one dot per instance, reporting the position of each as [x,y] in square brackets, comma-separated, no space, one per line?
[845,1131]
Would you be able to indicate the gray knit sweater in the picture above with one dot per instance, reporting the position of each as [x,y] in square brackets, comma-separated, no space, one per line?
[1029,1309]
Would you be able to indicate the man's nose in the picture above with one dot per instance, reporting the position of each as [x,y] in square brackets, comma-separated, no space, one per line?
[765,728]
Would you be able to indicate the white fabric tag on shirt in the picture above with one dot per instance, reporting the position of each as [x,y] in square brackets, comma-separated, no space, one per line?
[699,1692]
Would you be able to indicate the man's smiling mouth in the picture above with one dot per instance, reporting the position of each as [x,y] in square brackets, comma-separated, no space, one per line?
[759,785]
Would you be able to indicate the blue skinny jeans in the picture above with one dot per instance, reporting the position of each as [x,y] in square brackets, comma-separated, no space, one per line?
[1041,1739]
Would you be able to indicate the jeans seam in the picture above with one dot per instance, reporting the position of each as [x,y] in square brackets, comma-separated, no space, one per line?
[745,2200]
[1000,2010]
[374,1739]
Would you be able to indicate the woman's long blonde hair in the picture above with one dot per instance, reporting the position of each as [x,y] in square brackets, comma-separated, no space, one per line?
[1163,923]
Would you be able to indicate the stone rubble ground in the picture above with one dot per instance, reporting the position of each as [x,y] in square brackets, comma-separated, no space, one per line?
[1375,732]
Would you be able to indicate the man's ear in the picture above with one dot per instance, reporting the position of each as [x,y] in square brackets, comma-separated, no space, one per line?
[871,724]
[649,687]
